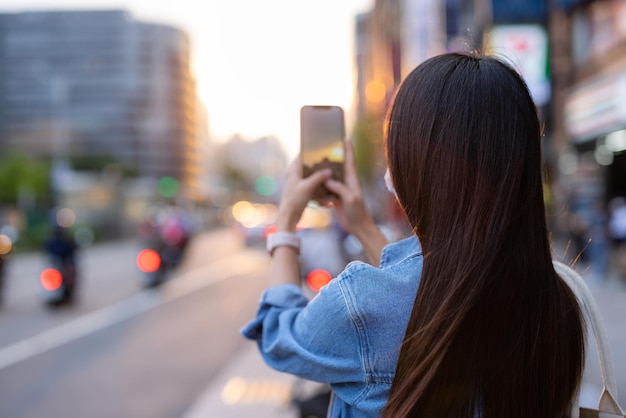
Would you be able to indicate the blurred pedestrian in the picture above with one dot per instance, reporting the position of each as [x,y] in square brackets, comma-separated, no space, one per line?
[61,246]
[617,230]
[465,318]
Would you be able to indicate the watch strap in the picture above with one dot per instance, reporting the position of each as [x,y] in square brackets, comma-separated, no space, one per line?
[283,239]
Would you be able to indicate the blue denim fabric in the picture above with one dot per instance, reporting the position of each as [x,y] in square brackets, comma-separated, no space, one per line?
[349,334]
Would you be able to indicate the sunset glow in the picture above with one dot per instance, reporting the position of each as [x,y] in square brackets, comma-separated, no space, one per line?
[256,63]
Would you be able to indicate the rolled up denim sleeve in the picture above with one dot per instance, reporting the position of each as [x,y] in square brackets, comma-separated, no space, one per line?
[315,340]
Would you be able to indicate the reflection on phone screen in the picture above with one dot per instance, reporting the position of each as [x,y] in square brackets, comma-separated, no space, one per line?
[322,136]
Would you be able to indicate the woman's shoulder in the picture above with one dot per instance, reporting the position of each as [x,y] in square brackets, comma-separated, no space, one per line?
[400,262]
[400,251]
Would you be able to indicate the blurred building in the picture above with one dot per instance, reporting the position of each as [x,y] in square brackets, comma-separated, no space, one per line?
[378,73]
[594,111]
[590,119]
[77,84]
[397,35]
[572,55]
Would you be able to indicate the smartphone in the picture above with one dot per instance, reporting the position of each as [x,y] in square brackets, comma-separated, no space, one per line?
[322,143]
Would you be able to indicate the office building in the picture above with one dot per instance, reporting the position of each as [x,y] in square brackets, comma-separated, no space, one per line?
[99,84]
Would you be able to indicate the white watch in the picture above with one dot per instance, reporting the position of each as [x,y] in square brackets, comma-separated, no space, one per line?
[282,239]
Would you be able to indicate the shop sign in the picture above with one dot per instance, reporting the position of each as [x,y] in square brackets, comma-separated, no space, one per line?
[526,47]
[596,108]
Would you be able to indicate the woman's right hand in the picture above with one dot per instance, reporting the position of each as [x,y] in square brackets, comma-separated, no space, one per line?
[296,195]
[351,210]
[350,207]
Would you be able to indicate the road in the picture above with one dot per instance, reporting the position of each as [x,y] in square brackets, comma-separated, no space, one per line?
[122,351]
[173,352]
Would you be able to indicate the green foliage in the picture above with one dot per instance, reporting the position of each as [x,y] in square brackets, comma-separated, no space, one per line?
[90,162]
[20,172]
[99,163]
[35,233]
[369,151]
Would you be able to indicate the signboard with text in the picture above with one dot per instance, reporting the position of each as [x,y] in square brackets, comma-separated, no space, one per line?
[526,48]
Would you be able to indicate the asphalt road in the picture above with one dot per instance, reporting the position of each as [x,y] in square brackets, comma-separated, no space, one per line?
[123,351]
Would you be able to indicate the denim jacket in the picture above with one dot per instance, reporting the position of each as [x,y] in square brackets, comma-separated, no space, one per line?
[349,334]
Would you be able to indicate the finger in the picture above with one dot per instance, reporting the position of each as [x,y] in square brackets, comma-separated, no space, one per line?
[352,178]
[316,179]
[338,188]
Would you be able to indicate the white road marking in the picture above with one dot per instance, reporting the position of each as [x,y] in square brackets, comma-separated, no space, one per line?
[131,307]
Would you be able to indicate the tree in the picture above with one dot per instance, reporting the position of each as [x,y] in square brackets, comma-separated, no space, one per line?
[19,173]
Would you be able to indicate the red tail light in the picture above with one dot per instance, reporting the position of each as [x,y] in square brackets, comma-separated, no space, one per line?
[272,228]
[148,261]
[51,279]
[318,279]
[269,230]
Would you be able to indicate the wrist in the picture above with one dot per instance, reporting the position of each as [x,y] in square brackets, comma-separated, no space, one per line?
[283,239]
[365,229]
[286,223]
[286,227]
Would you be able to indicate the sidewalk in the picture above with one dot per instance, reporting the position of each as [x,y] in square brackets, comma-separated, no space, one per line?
[247,387]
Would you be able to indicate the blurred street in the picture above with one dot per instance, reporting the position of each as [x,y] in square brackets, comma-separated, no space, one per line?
[122,351]
[147,118]
[174,351]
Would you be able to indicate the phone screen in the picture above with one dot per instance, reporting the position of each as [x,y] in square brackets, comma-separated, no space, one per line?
[322,137]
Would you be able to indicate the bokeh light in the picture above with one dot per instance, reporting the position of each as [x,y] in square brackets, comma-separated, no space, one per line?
[375,91]
[51,279]
[603,155]
[318,279]
[84,236]
[6,244]
[148,261]
[168,186]
[251,215]
[265,185]
[65,217]
[315,216]
[616,141]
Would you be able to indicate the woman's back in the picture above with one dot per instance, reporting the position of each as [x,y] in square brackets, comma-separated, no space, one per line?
[493,328]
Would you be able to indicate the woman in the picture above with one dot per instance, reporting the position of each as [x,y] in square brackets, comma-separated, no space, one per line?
[467,317]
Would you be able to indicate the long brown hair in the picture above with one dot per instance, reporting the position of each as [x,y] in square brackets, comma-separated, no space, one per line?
[493,331]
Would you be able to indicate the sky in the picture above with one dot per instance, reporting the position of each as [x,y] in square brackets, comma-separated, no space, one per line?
[256,62]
